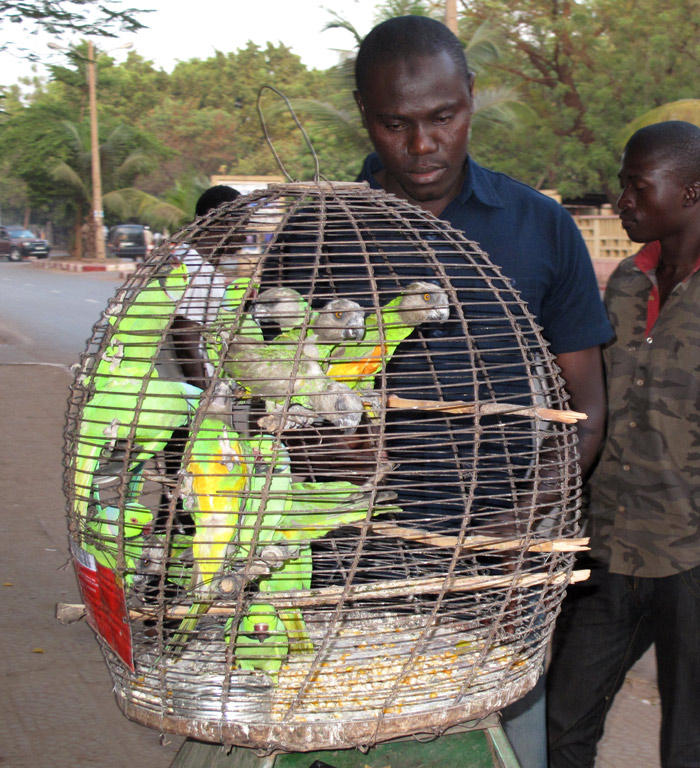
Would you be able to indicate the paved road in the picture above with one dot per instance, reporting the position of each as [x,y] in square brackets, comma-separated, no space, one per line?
[56,708]
[47,315]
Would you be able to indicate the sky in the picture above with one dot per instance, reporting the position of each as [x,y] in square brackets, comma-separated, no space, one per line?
[185,29]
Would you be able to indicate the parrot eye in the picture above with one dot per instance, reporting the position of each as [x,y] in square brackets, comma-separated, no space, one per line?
[426,296]
[339,315]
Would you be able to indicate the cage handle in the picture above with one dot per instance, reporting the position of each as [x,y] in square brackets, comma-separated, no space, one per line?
[317,174]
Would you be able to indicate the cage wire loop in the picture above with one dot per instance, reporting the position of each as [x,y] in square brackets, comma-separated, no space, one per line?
[317,174]
[358,523]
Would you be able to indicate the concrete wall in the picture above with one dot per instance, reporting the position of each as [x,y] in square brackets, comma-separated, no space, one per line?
[607,243]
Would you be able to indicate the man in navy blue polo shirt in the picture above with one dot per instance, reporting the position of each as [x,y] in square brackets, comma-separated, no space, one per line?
[414,91]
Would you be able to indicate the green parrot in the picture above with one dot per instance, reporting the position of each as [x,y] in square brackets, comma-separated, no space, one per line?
[295,574]
[312,511]
[137,332]
[268,501]
[318,508]
[261,640]
[279,374]
[358,364]
[103,537]
[337,322]
[268,496]
[143,412]
[284,306]
[215,489]
[217,335]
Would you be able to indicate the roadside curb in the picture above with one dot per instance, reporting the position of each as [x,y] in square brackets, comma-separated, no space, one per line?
[122,270]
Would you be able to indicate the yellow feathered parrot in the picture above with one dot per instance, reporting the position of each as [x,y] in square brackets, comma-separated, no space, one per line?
[215,488]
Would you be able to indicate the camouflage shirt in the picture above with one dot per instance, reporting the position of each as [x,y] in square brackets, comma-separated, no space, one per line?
[645,493]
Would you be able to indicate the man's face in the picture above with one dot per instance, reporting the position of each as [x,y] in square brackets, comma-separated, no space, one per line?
[653,203]
[417,112]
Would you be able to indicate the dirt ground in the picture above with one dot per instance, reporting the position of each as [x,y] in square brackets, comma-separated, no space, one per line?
[57,707]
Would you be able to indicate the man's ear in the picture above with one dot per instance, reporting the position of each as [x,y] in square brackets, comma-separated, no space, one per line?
[691,194]
[471,79]
[360,106]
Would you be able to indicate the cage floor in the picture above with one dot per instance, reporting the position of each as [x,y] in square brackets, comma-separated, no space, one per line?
[372,677]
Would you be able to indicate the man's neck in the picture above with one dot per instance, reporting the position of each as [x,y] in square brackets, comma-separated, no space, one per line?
[436,207]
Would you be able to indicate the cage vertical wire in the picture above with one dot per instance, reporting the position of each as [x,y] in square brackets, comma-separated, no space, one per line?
[357,522]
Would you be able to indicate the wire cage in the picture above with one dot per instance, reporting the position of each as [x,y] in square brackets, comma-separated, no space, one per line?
[321,477]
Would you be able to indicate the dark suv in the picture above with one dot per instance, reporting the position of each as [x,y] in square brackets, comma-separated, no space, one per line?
[128,241]
[19,243]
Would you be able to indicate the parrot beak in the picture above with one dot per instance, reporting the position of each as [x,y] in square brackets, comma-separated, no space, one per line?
[261,632]
[353,334]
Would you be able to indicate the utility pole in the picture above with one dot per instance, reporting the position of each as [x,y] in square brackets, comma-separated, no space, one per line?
[451,16]
[97,212]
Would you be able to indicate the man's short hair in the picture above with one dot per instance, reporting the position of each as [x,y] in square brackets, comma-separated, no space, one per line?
[214,197]
[404,37]
[676,141]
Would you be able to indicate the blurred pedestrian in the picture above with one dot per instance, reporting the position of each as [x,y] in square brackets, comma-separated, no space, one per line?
[202,298]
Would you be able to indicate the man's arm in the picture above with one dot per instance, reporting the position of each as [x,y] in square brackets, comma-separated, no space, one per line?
[189,352]
[582,372]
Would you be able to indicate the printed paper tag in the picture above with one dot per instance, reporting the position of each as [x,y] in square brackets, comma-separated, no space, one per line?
[105,603]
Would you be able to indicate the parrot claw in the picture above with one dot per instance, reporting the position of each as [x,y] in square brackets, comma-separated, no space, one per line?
[275,555]
[295,417]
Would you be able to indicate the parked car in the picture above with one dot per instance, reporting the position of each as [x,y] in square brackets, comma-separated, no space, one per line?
[19,243]
[129,241]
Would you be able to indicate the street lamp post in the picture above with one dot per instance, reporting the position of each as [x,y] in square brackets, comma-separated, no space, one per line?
[451,16]
[97,211]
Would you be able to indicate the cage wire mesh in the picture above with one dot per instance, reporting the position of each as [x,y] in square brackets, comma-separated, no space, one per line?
[327,537]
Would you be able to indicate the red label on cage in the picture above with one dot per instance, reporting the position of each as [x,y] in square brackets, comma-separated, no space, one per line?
[105,603]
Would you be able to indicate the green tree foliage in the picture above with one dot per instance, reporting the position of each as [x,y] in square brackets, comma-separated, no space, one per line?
[585,69]
[557,82]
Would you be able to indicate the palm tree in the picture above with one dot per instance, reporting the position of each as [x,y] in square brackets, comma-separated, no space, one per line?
[120,162]
[178,206]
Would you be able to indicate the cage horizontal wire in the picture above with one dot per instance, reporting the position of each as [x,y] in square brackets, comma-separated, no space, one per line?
[321,477]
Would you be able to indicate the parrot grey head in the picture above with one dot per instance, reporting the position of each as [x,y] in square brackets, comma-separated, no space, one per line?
[284,306]
[340,320]
[423,302]
[338,404]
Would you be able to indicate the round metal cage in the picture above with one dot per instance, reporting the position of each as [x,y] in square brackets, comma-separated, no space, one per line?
[321,477]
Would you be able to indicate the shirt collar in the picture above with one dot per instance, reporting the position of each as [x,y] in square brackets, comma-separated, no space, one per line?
[476,182]
[647,260]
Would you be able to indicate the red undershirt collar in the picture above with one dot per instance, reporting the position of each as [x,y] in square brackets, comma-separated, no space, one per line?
[647,260]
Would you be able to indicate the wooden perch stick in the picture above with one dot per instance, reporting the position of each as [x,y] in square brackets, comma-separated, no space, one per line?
[383,590]
[490,543]
[485,409]
[331,595]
